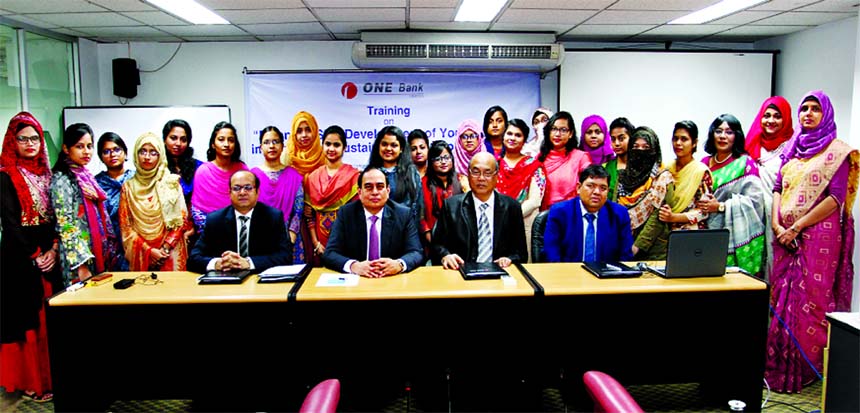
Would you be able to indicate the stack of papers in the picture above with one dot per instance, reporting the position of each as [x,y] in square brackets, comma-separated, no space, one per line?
[283,273]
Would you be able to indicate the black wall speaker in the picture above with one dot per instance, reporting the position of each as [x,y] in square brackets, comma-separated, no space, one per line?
[126,77]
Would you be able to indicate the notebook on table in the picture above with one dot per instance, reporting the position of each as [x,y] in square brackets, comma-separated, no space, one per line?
[696,253]
[482,271]
[223,277]
[611,270]
[284,273]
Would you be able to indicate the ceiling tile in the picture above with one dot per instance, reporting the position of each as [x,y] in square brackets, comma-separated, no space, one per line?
[834,5]
[570,17]
[447,26]
[355,27]
[359,4]
[121,32]
[283,28]
[251,4]
[431,15]
[686,30]
[267,16]
[124,5]
[635,17]
[32,20]
[246,38]
[48,6]
[803,18]
[434,3]
[761,31]
[70,32]
[296,37]
[204,30]
[744,17]
[783,5]
[88,19]
[527,27]
[683,5]
[361,15]
[561,4]
[154,18]
[608,29]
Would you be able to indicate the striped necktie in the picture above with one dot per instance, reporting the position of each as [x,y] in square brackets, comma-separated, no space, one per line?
[485,240]
[243,236]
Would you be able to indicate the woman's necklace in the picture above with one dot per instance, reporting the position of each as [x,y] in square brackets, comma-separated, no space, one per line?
[717,161]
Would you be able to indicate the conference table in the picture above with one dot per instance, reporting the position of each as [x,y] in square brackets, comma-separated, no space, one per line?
[180,340]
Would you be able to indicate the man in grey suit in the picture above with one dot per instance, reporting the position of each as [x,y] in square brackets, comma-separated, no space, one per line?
[373,238]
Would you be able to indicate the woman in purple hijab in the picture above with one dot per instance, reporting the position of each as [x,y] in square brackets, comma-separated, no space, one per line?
[814,241]
[281,187]
[594,142]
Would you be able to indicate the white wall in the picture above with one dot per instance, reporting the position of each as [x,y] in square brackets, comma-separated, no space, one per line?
[825,58]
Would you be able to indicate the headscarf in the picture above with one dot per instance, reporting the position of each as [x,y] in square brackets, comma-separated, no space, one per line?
[757,139]
[35,201]
[86,181]
[158,182]
[462,157]
[604,153]
[808,143]
[640,163]
[303,160]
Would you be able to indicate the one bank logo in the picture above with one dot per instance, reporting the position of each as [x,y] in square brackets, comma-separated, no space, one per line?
[349,90]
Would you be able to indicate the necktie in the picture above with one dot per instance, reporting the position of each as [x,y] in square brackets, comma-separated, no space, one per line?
[588,254]
[373,248]
[243,236]
[485,241]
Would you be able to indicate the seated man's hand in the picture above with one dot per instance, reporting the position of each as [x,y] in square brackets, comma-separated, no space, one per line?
[503,262]
[364,269]
[385,267]
[451,262]
[232,261]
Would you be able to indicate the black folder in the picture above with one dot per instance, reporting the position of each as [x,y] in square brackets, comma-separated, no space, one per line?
[481,271]
[611,270]
[223,277]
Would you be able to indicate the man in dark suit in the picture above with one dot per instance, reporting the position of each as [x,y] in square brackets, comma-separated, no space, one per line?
[460,231]
[567,238]
[244,236]
[355,247]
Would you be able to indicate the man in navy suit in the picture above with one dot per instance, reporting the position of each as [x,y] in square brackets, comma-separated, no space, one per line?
[244,236]
[355,246]
[567,227]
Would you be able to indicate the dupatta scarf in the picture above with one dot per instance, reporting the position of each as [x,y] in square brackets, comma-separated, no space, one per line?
[515,180]
[604,153]
[31,177]
[756,139]
[308,159]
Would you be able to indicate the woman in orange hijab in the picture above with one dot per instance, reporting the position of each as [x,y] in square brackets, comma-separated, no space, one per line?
[304,149]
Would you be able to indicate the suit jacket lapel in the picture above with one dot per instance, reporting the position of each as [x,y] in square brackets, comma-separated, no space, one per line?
[387,233]
[467,214]
[579,231]
[232,236]
[499,213]
[602,241]
[361,221]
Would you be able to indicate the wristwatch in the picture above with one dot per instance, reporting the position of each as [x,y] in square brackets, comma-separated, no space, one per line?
[722,207]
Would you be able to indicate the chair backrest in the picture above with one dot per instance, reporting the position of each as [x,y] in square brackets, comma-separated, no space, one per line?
[609,396]
[538,227]
[323,398]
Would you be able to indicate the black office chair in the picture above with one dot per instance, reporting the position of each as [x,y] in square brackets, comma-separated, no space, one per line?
[538,227]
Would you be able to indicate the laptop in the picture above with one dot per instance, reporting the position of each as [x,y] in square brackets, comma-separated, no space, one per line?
[696,253]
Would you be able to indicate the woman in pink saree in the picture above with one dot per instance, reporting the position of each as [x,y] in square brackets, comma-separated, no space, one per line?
[812,269]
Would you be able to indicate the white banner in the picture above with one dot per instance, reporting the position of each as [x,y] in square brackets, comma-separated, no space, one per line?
[363,103]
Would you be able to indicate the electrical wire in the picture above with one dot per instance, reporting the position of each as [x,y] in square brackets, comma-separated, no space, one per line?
[777,402]
[767,396]
[165,63]
[796,343]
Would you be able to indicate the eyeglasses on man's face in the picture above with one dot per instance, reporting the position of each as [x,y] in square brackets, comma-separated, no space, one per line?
[477,173]
[240,188]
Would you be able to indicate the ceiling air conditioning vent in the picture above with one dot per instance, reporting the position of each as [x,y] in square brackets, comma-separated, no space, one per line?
[522,52]
[391,55]
[397,51]
[458,51]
